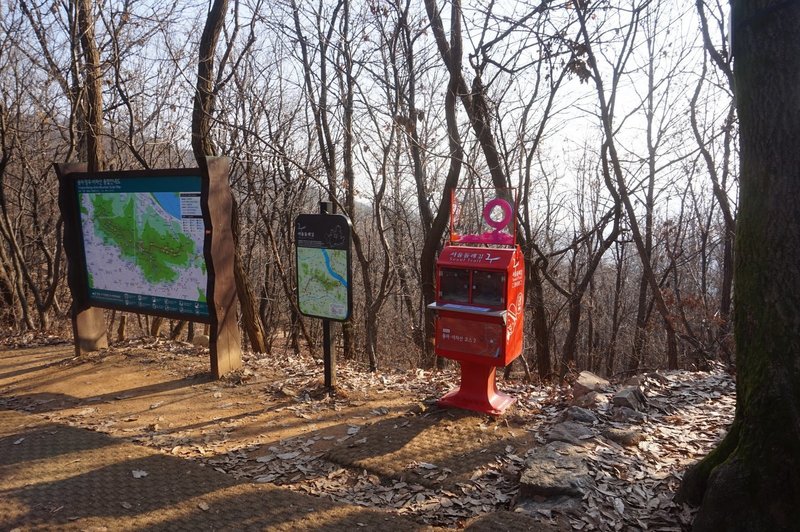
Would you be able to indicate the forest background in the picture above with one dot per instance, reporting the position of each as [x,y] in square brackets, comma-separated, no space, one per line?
[615,122]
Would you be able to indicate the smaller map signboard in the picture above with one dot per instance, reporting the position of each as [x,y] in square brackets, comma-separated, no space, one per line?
[323,265]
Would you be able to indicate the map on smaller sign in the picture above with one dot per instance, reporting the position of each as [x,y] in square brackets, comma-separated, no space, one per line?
[323,266]
[324,287]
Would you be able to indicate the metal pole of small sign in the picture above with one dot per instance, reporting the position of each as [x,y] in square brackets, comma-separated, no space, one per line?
[328,355]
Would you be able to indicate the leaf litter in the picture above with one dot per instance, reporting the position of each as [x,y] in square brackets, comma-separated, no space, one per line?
[632,488]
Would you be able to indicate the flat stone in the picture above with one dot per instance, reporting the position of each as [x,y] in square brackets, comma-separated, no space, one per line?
[563,448]
[550,474]
[590,400]
[200,340]
[630,397]
[626,415]
[588,382]
[545,506]
[569,432]
[628,438]
[581,415]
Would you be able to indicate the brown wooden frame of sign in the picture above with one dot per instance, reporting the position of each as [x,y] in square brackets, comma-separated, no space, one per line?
[88,322]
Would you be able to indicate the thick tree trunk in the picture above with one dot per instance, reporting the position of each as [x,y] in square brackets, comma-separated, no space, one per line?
[94,89]
[204,96]
[750,481]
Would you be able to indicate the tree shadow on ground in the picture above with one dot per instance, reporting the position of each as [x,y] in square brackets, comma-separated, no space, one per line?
[31,369]
[453,444]
[41,443]
[55,476]
[49,402]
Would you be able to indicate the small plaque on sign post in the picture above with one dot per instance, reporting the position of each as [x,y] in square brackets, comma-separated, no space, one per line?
[323,266]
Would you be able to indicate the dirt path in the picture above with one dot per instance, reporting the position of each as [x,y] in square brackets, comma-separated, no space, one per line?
[264,437]
[54,476]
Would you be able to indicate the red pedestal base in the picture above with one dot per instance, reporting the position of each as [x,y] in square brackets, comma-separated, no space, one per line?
[478,391]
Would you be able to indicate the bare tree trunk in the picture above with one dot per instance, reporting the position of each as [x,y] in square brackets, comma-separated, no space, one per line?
[719,175]
[452,54]
[640,330]
[203,146]
[576,297]
[473,97]
[620,190]
[94,88]
[177,330]
[155,326]
[288,292]
[8,316]
[317,97]
[347,86]
[251,317]
[610,351]
[123,320]
[425,214]
[541,333]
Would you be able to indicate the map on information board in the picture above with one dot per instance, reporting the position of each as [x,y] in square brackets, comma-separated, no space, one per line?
[143,243]
[323,266]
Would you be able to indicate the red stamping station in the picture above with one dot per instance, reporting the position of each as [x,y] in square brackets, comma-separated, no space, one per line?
[479,314]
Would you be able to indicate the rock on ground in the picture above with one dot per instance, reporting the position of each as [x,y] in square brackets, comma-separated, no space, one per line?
[591,400]
[628,438]
[579,414]
[556,478]
[569,432]
[630,397]
[588,382]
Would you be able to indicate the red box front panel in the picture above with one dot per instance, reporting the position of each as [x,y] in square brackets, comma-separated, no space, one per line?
[471,337]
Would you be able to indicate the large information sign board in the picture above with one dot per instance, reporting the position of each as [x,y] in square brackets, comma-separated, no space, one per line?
[323,266]
[142,240]
[157,242]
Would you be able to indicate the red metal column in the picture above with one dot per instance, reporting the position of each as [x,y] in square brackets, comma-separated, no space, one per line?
[478,391]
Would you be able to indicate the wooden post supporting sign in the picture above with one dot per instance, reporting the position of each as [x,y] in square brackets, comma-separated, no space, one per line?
[224,340]
[88,322]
